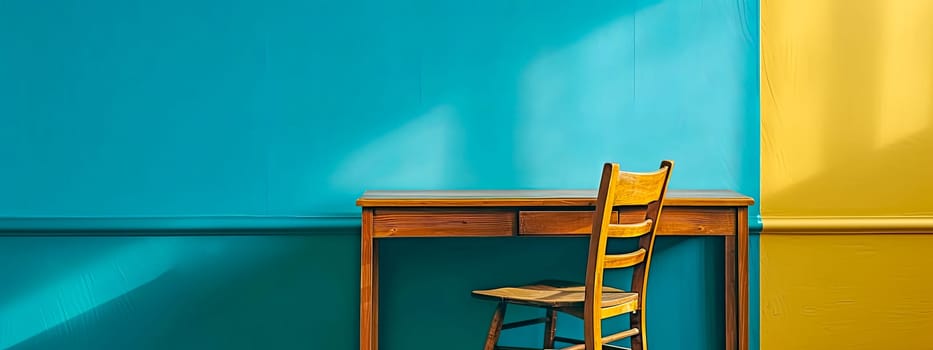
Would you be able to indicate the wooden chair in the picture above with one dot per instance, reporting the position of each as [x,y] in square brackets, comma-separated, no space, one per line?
[635,201]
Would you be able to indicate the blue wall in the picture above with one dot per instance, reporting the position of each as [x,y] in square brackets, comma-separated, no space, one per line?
[122,116]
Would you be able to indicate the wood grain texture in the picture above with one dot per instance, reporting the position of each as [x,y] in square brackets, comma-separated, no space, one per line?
[730,288]
[550,329]
[596,258]
[675,221]
[535,198]
[639,188]
[495,327]
[375,294]
[545,222]
[629,230]
[555,295]
[615,261]
[691,221]
[367,304]
[742,256]
[613,186]
[444,223]
[616,310]
[505,213]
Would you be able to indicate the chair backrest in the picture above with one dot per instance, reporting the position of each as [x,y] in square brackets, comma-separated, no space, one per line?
[628,205]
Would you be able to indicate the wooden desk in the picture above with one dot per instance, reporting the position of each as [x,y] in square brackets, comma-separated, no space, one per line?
[397,214]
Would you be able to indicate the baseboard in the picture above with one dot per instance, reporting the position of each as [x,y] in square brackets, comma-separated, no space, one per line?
[847,225]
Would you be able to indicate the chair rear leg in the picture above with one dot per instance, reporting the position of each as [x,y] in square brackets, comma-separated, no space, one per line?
[637,321]
[550,329]
[495,327]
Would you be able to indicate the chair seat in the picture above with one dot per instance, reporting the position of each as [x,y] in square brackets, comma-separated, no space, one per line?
[555,294]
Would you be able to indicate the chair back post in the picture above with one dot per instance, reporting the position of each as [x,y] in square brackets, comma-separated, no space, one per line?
[592,316]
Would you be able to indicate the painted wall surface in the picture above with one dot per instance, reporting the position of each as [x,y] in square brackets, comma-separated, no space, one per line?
[289,108]
[148,293]
[847,130]
[247,111]
[847,117]
[849,291]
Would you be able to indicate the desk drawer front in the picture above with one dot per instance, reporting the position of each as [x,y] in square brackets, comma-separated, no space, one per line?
[698,221]
[676,221]
[558,222]
[452,223]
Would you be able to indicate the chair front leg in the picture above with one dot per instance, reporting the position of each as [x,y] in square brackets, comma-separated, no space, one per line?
[495,327]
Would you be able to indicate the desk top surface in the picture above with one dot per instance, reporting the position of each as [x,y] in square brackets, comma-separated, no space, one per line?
[530,198]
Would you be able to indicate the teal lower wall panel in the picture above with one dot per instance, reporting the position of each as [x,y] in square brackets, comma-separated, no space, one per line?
[246,292]
[301,291]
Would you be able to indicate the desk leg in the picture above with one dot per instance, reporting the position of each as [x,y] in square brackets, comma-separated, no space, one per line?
[743,277]
[730,288]
[368,284]
[375,329]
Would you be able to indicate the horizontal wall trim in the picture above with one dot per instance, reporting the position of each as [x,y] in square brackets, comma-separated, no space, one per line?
[195,225]
[754,224]
[178,225]
[846,224]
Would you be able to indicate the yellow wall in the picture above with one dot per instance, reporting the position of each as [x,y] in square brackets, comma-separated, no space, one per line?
[847,292]
[847,132]
[847,120]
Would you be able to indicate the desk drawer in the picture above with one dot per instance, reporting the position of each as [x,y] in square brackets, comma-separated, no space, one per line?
[446,223]
[675,221]
[536,222]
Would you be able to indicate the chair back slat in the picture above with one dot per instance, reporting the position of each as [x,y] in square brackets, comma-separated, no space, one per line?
[616,261]
[639,188]
[629,230]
